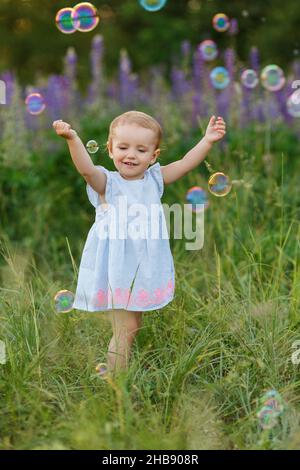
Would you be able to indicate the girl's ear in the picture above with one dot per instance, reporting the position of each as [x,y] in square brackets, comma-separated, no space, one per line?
[108,149]
[157,152]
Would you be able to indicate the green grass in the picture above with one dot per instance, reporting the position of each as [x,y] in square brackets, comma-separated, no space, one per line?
[199,365]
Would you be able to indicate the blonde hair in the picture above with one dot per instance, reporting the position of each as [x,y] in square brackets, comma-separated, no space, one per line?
[135,117]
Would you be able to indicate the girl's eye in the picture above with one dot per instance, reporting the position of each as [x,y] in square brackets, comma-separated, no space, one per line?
[143,151]
[122,148]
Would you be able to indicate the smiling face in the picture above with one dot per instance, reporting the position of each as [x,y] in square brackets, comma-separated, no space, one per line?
[133,149]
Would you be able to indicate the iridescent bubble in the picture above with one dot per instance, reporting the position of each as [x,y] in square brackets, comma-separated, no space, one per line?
[208,50]
[66,20]
[293,104]
[273,400]
[64,300]
[267,418]
[92,146]
[219,78]
[221,22]
[197,195]
[152,5]
[272,78]
[101,369]
[219,184]
[35,103]
[86,15]
[249,78]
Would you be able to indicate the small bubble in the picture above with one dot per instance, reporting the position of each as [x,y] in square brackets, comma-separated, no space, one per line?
[92,146]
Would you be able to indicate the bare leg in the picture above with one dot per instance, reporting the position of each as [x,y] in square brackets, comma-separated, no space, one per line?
[125,325]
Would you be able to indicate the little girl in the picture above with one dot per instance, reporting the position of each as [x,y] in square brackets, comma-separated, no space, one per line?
[128,275]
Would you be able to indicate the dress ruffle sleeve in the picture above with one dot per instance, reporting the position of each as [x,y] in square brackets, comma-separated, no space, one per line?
[93,196]
[155,171]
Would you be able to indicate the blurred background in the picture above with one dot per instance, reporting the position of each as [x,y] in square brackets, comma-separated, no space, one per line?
[31,45]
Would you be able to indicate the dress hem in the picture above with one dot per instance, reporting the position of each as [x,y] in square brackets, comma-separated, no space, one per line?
[157,307]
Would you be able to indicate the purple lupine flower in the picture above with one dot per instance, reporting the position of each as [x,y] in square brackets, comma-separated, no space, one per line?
[198,70]
[254,58]
[281,97]
[234,27]
[124,73]
[57,96]
[180,86]
[199,80]
[224,97]
[70,64]
[112,91]
[133,88]
[229,57]
[96,86]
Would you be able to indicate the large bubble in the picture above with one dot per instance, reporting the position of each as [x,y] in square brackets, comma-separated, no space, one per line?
[86,17]
[197,195]
[64,300]
[208,50]
[35,103]
[221,22]
[272,78]
[219,78]
[66,20]
[152,5]
[293,104]
[219,184]
[249,78]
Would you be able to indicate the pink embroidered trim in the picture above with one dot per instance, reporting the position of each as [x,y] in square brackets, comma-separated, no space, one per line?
[143,298]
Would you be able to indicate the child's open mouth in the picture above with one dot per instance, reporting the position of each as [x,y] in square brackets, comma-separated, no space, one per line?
[130,164]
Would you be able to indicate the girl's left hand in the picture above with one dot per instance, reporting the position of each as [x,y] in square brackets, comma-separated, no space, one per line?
[216,129]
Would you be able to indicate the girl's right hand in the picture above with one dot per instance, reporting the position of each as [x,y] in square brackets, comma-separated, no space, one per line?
[64,129]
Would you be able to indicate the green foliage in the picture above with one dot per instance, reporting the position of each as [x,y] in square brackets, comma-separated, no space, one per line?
[14,148]
[25,27]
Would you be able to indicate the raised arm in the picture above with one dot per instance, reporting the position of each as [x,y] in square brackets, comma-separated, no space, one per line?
[175,170]
[81,159]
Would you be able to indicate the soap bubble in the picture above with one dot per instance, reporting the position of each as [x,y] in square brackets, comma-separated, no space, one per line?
[267,418]
[66,20]
[64,300]
[293,104]
[102,369]
[152,5]
[92,146]
[219,78]
[86,17]
[208,50]
[249,78]
[273,400]
[219,184]
[272,78]
[197,195]
[221,22]
[35,103]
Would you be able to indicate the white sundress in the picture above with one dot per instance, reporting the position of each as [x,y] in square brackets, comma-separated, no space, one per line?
[118,271]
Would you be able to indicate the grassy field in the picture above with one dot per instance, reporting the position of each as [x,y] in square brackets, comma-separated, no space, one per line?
[200,365]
